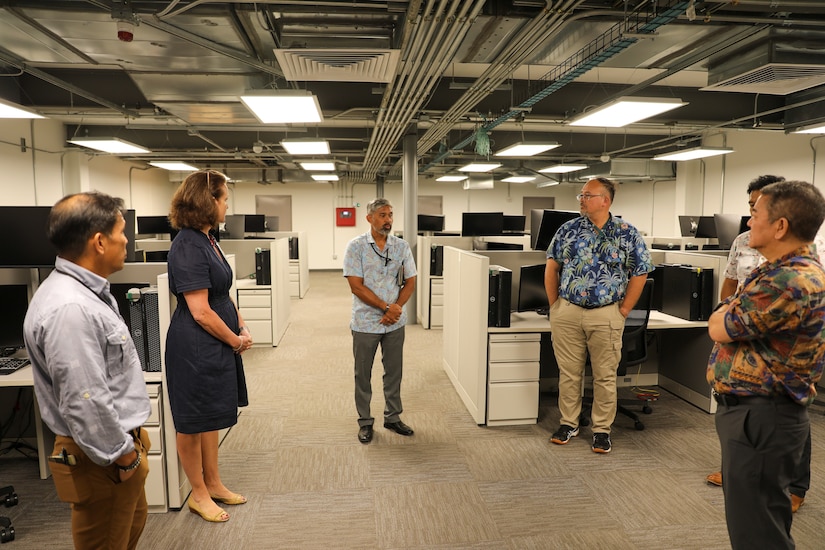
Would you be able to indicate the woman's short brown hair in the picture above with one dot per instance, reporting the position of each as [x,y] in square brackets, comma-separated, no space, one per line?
[193,205]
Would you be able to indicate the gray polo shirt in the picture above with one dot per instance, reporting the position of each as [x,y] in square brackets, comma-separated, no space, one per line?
[87,374]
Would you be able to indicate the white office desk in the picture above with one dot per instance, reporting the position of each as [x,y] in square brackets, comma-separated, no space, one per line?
[24,378]
[533,322]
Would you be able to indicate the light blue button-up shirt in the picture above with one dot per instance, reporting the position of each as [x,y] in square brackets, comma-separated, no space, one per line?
[379,269]
[87,374]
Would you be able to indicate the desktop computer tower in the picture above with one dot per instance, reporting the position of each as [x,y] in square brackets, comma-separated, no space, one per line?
[263,267]
[498,307]
[687,292]
[144,320]
[436,260]
[293,248]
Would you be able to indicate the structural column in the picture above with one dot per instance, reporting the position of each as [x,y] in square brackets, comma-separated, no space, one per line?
[410,192]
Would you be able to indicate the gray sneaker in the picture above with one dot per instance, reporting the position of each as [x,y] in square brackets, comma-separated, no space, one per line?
[563,434]
[601,443]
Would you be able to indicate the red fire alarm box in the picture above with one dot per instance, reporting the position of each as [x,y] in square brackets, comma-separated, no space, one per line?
[345,216]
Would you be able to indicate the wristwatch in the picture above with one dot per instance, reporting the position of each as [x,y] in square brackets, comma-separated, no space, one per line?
[386,309]
[131,466]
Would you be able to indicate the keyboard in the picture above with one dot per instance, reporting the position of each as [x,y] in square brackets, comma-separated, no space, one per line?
[10,364]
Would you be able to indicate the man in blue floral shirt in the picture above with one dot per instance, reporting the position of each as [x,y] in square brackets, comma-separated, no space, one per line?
[768,357]
[596,269]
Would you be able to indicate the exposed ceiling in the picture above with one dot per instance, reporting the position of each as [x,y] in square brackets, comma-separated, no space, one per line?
[455,72]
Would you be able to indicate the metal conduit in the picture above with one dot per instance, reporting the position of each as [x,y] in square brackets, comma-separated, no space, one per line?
[592,55]
[419,73]
[501,68]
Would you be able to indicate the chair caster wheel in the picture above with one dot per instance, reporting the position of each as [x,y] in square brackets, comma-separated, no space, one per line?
[647,410]
[639,426]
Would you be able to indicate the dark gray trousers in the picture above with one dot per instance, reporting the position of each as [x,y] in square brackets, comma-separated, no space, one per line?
[364,346]
[762,442]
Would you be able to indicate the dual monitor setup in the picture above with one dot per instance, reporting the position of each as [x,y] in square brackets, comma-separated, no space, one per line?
[236,226]
[723,227]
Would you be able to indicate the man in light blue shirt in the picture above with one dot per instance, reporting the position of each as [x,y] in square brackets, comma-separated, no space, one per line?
[87,376]
[381,273]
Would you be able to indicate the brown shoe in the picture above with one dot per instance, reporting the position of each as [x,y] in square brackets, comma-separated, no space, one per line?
[715,479]
[796,502]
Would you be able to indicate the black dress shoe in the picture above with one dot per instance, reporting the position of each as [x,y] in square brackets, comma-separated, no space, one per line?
[399,427]
[365,434]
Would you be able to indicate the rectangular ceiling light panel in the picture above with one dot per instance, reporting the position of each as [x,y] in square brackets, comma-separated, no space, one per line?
[115,146]
[526,149]
[626,110]
[305,146]
[283,106]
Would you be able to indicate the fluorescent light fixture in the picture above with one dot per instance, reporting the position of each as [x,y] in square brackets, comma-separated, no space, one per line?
[694,153]
[563,168]
[548,183]
[110,145]
[325,177]
[12,110]
[318,166]
[518,179]
[626,110]
[176,166]
[283,106]
[305,146]
[452,177]
[818,129]
[479,167]
[526,149]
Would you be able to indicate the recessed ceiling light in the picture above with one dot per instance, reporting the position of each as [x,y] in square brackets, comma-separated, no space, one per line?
[526,149]
[178,166]
[562,168]
[325,177]
[479,167]
[519,179]
[694,153]
[110,145]
[13,110]
[283,106]
[451,177]
[626,110]
[318,166]
[305,146]
[818,129]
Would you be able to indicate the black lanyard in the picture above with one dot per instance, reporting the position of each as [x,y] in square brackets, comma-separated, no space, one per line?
[386,257]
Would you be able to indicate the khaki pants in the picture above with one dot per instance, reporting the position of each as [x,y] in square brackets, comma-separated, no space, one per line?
[106,513]
[577,331]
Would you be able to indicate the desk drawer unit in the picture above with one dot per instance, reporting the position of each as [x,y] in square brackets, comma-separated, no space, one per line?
[255,305]
[156,480]
[436,302]
[513,378]
[294,278]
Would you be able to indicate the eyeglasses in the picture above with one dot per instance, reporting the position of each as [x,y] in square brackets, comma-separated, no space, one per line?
[586,196]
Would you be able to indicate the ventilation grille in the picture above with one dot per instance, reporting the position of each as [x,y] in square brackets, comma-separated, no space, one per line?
[773,78]
[339,65]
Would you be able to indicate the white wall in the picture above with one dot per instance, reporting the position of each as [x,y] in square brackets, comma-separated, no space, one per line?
[43,174]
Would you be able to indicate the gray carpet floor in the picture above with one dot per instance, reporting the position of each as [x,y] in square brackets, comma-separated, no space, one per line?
[453,485]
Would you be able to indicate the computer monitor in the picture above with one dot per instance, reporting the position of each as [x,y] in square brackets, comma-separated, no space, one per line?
[515,223]
[153,225]
[688,225]
[492,245]
[482,224]
[235,225]
[727,229]
[743,224]
[427,222]
[706,228]
[14,301]
[272,223]
[23,240]
[532,295]
[254,223]
[551,220]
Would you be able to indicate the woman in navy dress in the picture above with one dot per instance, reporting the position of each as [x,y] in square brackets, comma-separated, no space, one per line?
[206,336]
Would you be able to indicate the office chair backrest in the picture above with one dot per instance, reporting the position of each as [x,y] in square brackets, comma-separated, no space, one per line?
[634,337]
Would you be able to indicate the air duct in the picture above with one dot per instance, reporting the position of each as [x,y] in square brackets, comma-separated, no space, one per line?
[625,170]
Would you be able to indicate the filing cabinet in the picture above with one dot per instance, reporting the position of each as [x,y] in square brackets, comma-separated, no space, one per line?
[255,306]
[513,361]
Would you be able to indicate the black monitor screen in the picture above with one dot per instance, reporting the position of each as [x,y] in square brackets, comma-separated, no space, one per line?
[706,228]
[727,229]
[515,223]
[482,224]
[430,223]
[14,300]
[743,224]
[254,223]
[550,222]
[23,240]
[157,225]
[532,295]
[688,225]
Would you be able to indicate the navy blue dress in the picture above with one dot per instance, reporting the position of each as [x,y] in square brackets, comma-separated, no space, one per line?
[202,372]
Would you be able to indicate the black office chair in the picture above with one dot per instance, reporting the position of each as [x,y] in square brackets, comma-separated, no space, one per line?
[634,352]
[8,498]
